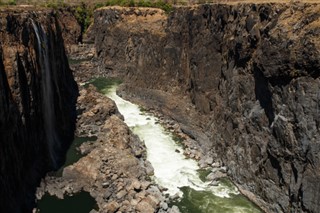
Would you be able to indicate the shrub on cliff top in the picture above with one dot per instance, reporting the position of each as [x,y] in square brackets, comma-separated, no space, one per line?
[167,7]
[83,14]
[10,2]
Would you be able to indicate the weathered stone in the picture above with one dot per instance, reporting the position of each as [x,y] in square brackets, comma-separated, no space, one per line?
[174,209]
[121,194]
[112,206]
[209,160]
[149,168]
[144,207]
[154,202]
[164,205]
[136,185]
[134,202]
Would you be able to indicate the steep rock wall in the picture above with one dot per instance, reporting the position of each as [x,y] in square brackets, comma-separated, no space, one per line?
[38,94]
[252,70]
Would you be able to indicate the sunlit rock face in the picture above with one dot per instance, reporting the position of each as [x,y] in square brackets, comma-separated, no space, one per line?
[37,102]
[243,79]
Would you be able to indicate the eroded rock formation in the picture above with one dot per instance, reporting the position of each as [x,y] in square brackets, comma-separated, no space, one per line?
[114,169]
[252,73]
[37,107]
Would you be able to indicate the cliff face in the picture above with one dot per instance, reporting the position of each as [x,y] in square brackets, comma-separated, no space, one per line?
[38,94]
[252,70]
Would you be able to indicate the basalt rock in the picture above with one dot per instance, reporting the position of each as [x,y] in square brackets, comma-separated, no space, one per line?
[37,107]
[251,74]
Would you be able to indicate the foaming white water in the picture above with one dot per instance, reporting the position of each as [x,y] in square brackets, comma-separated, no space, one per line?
[171,169]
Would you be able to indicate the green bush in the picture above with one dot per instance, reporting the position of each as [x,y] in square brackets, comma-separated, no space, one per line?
[56,4]
[12,2]
[98,5]
[83,15]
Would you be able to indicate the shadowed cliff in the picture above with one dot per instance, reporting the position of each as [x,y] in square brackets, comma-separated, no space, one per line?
[38,95]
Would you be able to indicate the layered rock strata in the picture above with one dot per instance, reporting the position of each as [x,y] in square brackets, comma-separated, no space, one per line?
[242,79]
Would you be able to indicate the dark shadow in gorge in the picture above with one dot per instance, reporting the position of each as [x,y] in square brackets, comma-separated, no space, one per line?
[263,93]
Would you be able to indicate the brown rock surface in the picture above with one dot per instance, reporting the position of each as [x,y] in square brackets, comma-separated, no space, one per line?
[111,171]
[241,79]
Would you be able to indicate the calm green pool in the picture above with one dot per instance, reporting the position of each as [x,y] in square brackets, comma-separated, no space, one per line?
[73,154]
[81,202]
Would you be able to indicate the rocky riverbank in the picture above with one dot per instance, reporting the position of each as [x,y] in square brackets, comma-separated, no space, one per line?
[240,79]
[114,170]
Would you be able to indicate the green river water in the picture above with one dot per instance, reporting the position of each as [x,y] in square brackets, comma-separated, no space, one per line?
[172,170]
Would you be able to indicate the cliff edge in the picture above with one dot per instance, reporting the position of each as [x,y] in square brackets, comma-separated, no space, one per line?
[243,79]
[38,96]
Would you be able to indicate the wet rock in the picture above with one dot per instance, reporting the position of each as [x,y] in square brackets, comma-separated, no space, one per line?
[215,175]
[145,184]
[164,205]
[174,209]
[149,168]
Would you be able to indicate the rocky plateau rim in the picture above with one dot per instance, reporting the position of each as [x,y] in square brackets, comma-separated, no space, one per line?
[30,7]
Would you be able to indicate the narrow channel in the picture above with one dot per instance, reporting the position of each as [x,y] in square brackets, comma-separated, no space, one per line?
[174,171]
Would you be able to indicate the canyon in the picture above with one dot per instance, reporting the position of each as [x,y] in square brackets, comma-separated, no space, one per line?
[239,80]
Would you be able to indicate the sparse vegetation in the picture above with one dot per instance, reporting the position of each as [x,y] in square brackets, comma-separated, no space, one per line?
[83,10]
[84,14]
[10,2]
[140,3]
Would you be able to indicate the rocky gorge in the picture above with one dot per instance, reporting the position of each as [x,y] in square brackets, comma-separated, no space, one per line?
[241,79]
[237,83]
[114,169]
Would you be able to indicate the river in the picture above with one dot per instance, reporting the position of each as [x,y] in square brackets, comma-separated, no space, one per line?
[174,171]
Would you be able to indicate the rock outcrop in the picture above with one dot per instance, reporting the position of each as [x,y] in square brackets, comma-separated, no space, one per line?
[38,95]
[243,79]
[114,169]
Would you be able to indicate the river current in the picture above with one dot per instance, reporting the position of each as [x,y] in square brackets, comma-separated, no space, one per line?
[174,171]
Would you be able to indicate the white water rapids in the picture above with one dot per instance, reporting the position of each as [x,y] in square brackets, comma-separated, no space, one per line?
[171,169]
